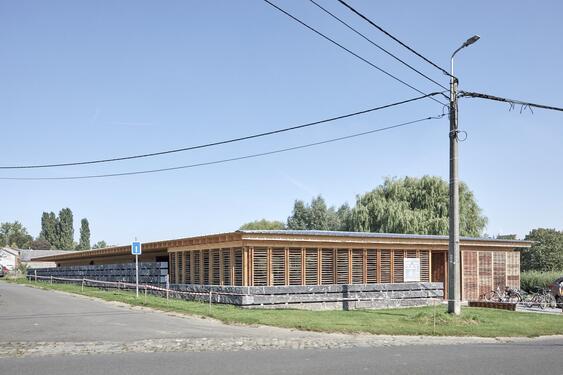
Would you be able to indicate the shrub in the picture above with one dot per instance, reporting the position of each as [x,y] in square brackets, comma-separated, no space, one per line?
[530,280]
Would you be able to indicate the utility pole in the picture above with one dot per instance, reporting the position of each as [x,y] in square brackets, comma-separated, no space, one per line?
[454,254]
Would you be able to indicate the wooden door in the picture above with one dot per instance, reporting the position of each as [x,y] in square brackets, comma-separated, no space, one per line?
[439,268]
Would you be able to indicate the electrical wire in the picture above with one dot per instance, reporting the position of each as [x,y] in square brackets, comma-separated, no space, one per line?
[221,161]
[394,38]
[348,50]
[223,142]
[512,102]
[376,45]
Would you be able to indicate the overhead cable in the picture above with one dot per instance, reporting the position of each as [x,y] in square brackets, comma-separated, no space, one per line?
[512,102]
[223,142]
[221,161]
[394,38]
[349,51]
[377,45]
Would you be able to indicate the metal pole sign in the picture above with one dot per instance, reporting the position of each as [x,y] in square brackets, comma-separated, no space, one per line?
[136,250]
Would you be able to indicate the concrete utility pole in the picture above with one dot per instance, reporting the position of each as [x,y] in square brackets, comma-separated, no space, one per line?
[454,255]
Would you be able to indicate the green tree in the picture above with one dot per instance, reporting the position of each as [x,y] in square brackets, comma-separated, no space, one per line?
[84,243]
[546,253]
[14,235]
[263,225]
[318,216]
[100,245]
[415,205]
[49,229]
[40,244]
[65,229]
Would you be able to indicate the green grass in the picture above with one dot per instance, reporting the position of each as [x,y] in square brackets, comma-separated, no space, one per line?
[529,280]
[407,321]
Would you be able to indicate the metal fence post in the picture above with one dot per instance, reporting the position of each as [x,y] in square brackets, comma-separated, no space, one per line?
[82,284]
[210,300]
[167,286]
[51,279]
[35,274]
[145,294]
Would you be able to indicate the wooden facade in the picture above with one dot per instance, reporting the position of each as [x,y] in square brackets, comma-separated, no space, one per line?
[279,258]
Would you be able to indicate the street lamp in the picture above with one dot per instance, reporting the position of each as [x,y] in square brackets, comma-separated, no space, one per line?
[454,280]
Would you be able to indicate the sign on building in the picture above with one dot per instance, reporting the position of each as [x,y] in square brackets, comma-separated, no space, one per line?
[412,269]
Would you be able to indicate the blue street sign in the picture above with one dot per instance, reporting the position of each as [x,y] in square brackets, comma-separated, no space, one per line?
[136,248]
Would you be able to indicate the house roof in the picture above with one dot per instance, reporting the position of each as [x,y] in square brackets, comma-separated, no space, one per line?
[9,250]
[28,255]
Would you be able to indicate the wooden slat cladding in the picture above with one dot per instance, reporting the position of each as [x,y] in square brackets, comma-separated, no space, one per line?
[181,274]
[226,267]
[214,267]
[424,266]
[196,256]
[342,266]
[513,270]
[278,266]
[371,266]
[499,270]
[398,266]
[470,277]
[311,266]
[385,266]
[260,266]
[327,259]
[205,266]
[238,267]
[295,266]
[187,268]
[172,267]
[485,272]
[357,266]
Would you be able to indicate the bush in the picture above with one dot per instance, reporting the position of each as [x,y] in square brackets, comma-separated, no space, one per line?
[530,280]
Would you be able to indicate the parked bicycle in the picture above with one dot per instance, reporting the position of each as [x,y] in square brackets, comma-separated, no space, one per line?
[542,298]
[507,295]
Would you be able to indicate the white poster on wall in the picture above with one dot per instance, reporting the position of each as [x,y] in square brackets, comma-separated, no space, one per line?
[412,269]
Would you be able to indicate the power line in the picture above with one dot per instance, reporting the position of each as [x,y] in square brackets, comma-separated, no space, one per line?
[232,140]
[376,45]
[512,102]
[221,161]
[349,51]
[394,38]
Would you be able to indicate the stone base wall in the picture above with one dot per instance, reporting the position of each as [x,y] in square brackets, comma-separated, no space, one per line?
[317,297]
[153,273]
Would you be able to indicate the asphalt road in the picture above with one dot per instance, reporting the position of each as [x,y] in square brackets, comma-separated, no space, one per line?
[46,332]
[538,358]
[30,314]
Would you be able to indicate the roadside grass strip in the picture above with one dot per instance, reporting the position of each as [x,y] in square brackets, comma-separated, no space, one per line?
[431,320]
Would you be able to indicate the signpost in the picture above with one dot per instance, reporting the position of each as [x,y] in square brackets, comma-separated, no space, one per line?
[136,250]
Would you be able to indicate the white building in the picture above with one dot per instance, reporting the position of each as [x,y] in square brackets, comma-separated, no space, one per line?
[9,258]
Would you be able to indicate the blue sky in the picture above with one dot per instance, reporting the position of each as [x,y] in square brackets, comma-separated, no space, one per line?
[82,80]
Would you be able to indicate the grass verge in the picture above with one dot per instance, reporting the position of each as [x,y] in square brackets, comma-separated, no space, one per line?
[408,321]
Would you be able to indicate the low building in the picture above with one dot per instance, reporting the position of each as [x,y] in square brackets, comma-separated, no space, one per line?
[302,258]
[28,257]
[9,258]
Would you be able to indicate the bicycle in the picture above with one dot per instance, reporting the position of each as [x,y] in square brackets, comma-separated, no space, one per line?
[507,295]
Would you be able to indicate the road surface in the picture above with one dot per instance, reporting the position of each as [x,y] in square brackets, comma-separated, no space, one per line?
[48,332]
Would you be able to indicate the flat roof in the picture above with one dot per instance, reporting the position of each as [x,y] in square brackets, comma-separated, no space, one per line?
[373,235]
[283,235]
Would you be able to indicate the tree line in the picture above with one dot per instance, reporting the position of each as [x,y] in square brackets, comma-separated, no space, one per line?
[407,205]
[57,232]
[413,206]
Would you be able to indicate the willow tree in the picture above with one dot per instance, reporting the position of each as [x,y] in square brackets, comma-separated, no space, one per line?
[417,206]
